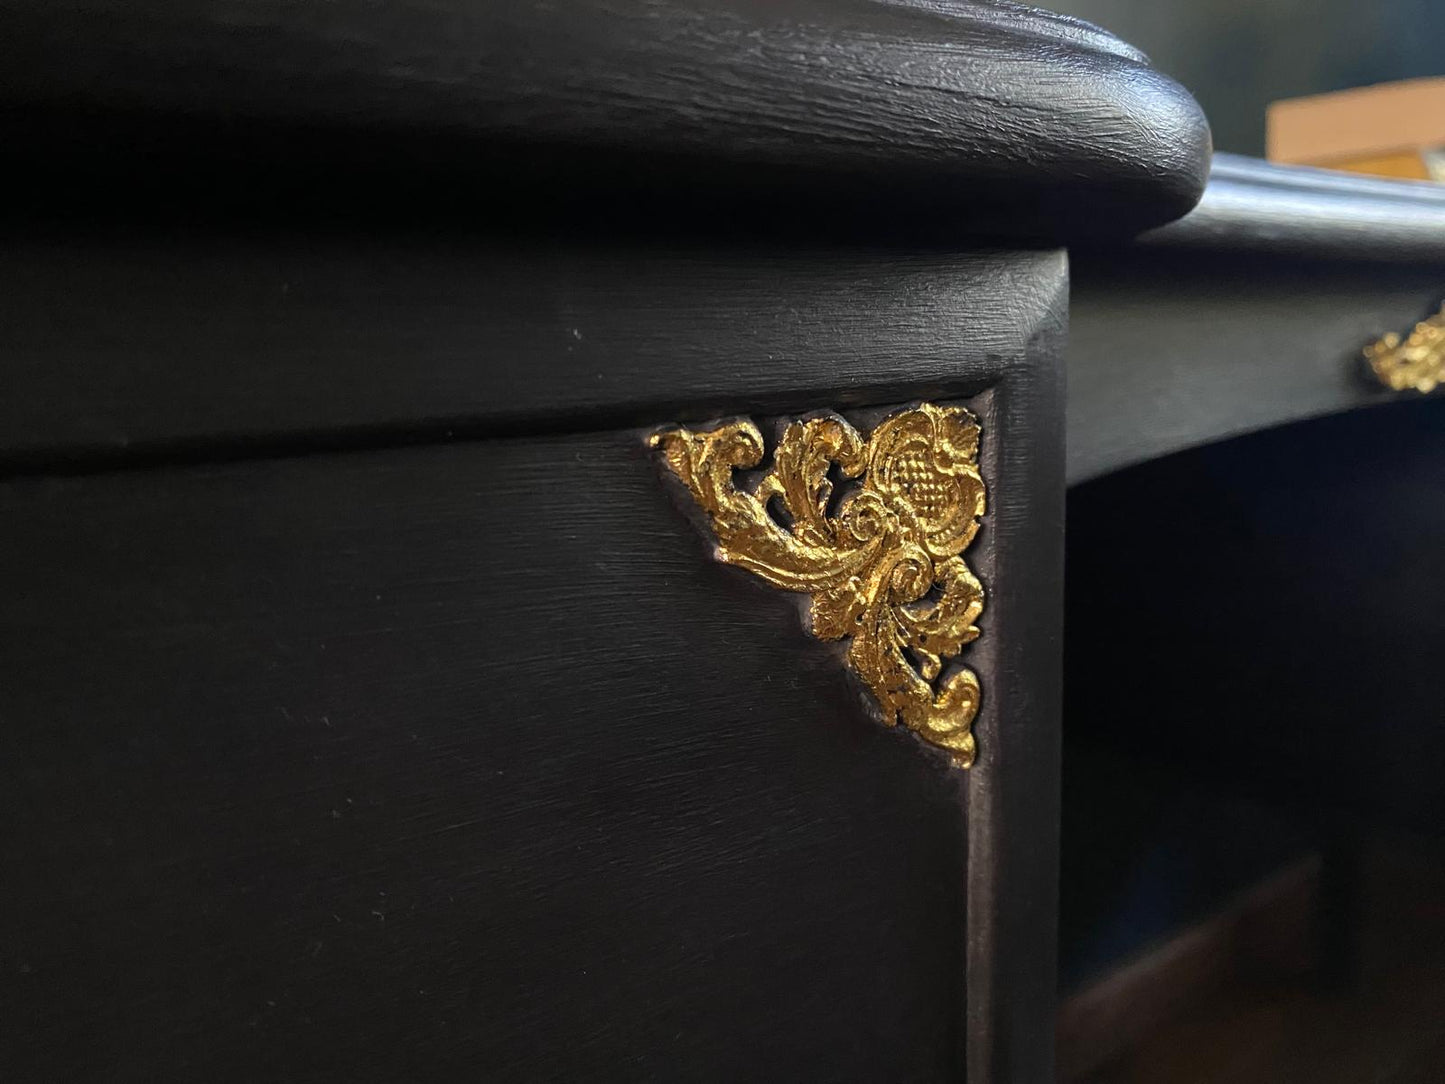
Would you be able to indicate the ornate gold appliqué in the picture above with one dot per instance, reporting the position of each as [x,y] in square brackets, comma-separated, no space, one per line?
[1418,362]
[883,567]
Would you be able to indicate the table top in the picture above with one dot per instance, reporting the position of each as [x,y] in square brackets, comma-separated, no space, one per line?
[854,116]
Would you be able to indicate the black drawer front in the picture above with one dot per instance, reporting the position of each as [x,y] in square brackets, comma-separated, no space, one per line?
[469,757]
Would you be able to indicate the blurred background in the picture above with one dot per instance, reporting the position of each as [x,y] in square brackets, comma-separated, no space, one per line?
[1236,56]
[1216,922]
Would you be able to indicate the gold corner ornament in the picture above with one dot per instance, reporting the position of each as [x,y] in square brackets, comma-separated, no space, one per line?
[1416,363]
[882,566]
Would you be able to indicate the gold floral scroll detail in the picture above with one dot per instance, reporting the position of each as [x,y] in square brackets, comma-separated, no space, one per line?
[1418,362]
[882,566]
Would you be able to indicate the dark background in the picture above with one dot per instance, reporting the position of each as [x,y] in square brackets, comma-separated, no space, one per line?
[1236,56]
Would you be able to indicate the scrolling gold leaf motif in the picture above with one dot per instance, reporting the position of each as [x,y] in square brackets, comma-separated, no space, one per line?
[883,566]
[1418,362]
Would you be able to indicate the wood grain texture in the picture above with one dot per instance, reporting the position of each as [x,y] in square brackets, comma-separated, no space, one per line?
[132,348]
[855,113]
[1260,935]
[469,759]
[463,760]
[1386,1028]
[1014,787]
[1169,350]
[1254,206]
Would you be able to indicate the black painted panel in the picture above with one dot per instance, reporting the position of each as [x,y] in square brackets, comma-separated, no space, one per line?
[1171,349]
[462,759]
[211,345]
[469,759]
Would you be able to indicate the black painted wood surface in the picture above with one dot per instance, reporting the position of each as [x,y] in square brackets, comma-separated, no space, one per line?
[394,763]
[854,113]
[1255,206]
[142,347]
[1262,606]
[1171,350]
[1248,313]
[371,708]
[464,761]
[418,759]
